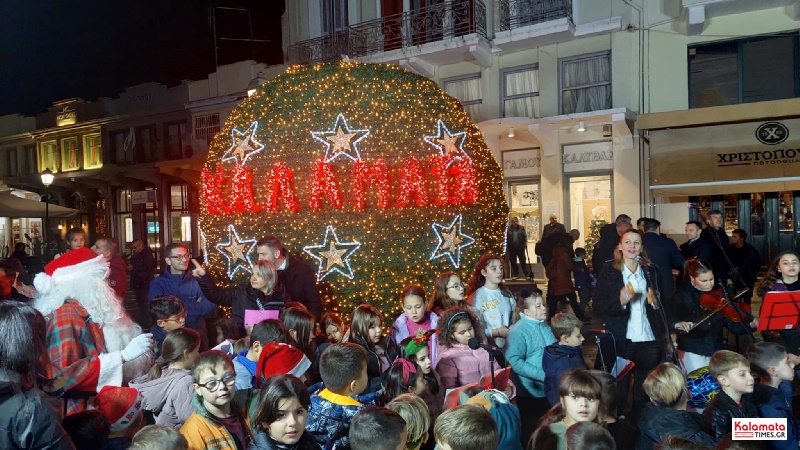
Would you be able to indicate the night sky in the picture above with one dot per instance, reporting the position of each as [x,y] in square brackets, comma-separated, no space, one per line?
[52,50]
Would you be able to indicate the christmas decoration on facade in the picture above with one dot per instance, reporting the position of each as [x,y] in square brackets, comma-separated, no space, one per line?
[333,255]
[237,252]
[341,140]
[243,145]
[451,241]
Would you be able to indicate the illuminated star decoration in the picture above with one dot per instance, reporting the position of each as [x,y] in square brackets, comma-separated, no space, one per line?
[341,140]
[205,243]
[448,143]
[451,241]
[333,256]
[237,252]
[243,145]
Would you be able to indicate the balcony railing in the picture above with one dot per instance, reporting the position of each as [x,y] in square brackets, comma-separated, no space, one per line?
[408,29]
[520,13]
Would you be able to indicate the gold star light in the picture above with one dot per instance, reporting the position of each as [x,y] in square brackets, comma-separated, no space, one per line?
[237,252]
[337,256]
[333,256]
[446,142]
[340,140]
[243,145]
[451,241]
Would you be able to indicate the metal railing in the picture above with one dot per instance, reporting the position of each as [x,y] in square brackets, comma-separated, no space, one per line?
[430,24]
[519,13]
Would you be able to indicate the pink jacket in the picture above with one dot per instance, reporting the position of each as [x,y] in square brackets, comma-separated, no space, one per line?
[459,365]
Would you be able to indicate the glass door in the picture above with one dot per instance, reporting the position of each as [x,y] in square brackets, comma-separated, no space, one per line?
[589,208]
[524,204]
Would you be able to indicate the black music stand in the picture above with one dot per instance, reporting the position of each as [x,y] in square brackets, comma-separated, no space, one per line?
[780,311]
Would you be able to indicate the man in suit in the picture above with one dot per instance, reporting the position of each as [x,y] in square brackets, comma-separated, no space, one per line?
[609,240]
[663,252]
[695,247]
[716,236]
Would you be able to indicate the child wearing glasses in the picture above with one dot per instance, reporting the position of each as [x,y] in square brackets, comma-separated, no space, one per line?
[167,314]
[448,291]
[216,422]
[415,317]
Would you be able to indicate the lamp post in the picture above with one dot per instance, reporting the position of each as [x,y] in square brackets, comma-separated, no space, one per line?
[47,180]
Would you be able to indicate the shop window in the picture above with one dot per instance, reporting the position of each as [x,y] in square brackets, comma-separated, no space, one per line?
[469,92]
[92,151]
[48,156]
[520,92]
[731,214]
[524,201]
[590,208]
[586,83]
[747,70]
[180,218]
[206,127]
[757,214]
[69,154]
[785,213]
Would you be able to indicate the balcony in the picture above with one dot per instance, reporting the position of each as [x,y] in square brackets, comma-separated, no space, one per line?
[522,13]
[401,36]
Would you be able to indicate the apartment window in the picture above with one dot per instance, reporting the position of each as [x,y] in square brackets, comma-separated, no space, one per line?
[520,92]
[747,70]
[69,154]
[334,16]
[586,83]
[92,151]
[174,133]
[146,144]
[29,161]
[11,162]
[119,153]
[206,127]
[469,92]
[48,157]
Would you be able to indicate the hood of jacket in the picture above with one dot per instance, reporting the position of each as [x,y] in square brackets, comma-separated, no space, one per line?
[558,351]
[155,391]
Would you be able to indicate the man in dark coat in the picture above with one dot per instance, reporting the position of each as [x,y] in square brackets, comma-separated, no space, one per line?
[747,261]
[553,227]
[141,265]
[517,243]
[695,247]
[297,276]
[609,239]
[663,252]
[716,236]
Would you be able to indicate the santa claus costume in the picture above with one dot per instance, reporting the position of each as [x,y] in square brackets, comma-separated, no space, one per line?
[89,335]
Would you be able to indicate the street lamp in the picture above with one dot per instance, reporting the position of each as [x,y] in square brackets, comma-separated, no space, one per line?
[47,180]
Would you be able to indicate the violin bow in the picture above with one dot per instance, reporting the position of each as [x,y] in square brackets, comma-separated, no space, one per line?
[719,308]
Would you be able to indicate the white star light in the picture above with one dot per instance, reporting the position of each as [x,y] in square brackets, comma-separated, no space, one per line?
[236,251]
[451,241]
[333,256]
[341,143]
[447,142]
[243,145]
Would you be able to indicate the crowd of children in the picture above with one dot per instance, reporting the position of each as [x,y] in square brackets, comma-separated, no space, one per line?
[295,384]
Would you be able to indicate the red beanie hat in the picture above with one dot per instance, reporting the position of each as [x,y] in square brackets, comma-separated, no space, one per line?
[277,358]
[121,405]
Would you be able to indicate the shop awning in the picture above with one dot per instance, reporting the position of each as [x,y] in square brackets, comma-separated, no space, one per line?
[13,206]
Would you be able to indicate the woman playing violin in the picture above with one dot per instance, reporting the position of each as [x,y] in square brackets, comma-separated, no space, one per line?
[701,331]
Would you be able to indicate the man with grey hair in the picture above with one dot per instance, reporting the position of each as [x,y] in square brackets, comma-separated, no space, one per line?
[553,227]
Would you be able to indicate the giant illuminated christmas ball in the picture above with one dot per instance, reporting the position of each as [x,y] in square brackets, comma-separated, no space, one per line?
[369,172]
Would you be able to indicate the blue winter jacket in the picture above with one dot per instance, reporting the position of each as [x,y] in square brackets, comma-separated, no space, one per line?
[776,403]
[557,360]
[186,288]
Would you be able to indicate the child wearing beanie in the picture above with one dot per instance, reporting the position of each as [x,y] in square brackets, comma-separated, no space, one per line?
[122,406]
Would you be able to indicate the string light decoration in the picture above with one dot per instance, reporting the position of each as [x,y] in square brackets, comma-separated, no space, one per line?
[451,241]
[243,145]
[333,255]
[392,111]
[237,252]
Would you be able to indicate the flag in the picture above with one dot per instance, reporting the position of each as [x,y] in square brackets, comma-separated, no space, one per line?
[130,141]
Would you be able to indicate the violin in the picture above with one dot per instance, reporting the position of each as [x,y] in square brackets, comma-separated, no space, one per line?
[715,302]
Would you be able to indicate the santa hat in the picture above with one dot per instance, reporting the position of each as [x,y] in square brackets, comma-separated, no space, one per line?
[71,266]
[277,358]
[121,405]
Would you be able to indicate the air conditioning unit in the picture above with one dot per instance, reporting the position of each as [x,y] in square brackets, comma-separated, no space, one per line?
[606,130]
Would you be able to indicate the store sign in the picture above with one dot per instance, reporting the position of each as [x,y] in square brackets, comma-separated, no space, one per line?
[522,163]
[590,156]
[66,116]
[753,150]
[142,197]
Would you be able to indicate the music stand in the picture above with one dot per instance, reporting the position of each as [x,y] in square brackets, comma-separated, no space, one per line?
[779,311]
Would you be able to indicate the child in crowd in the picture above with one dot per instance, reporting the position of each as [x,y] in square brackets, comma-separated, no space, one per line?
[30,418]
[264,332]
[448,291]
[415,414]
[281,416]
[526,346]
[225,329]
[732,371]
[505,415]
[378,428]
[666,413]
[122,406]
[415,317]
[404,377]
[589,435]
[417,351]
[773,395]
[301,326]
[88,430]
[491,299]
[167,314]
[458,364]
[582,276]
[343,368]
[562,356]
[579,402]
[782,276]
[168,389]
[332,327]
[76,238]
[215,423]
[625,435]
[466,427]
[157,437]
[365,330]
